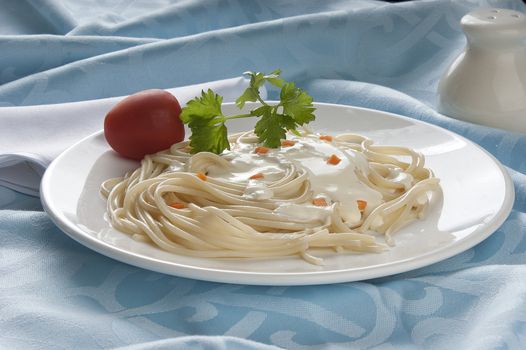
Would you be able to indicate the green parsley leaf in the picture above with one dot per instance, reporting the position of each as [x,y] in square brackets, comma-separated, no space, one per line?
[251,93]
[207,123]
[209,133]
[274,78]
[297,103]
[257,80]
[288,122]
[208,136]
[207,106]
[269,129]
[261,110]
[248,95]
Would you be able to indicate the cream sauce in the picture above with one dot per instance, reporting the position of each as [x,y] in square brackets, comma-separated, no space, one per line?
[335,183]
[399,176]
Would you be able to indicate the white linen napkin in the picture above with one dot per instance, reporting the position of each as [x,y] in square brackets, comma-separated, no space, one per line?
[31,137]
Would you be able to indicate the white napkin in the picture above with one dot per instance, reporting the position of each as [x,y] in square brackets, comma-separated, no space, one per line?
[31,137]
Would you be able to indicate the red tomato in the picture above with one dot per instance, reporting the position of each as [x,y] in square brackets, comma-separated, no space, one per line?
[144,123]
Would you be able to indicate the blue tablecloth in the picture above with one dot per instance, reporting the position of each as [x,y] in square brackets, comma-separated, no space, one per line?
[54,293]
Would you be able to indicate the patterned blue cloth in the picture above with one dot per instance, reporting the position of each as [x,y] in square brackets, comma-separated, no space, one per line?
[54,293]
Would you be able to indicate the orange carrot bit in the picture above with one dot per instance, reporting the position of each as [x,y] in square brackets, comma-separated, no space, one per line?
[287,143]
[256,176]
[333,160]
[361,204]
[178,205]
[326,138]
[262,150]
[202,176]
[319,202]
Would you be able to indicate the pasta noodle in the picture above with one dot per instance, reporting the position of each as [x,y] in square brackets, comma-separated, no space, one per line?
[315,192]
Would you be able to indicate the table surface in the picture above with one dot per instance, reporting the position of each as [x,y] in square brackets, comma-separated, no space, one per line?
[54,293]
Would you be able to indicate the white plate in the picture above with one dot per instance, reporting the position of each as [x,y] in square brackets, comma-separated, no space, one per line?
[477,197]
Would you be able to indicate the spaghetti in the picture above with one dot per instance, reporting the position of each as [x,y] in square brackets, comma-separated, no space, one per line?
[315,191]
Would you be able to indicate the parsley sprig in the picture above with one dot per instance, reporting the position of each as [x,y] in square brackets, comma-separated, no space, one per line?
[206,120]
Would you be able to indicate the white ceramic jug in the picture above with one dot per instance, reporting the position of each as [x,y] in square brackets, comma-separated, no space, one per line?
[486,84]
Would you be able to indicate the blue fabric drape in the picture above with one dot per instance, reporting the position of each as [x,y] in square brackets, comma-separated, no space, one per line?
[55,293]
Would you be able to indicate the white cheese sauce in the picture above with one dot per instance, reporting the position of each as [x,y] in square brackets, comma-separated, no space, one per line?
[336,183]
[399,176]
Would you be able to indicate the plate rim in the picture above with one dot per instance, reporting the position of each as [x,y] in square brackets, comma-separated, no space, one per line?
[281,278]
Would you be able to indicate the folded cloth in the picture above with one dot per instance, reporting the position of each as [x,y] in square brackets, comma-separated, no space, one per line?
[31,137]
[200,343]
[55,293]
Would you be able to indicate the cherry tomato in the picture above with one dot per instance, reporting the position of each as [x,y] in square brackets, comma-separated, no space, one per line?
[144,123]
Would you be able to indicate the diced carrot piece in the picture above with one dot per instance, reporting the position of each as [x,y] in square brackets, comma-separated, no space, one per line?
[361,204]
[201,175]
[287,143]
[326,138]
[333,160]
[319,202]
[262,150]
[178,205]
[256,176]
